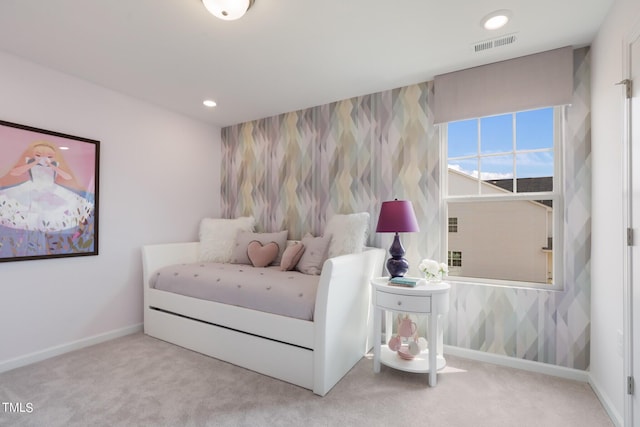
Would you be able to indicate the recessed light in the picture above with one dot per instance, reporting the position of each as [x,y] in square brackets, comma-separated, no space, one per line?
[495,20]
[209,103]
[63,148]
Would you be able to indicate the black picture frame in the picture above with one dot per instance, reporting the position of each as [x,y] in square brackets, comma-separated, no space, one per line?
[49,184]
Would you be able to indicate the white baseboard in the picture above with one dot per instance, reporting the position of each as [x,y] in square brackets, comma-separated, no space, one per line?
[7,365]
[616,418]
[512,362]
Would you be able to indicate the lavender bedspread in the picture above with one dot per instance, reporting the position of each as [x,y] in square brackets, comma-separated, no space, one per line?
[287,293]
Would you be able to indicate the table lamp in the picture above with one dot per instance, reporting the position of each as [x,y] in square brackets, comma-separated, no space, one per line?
[397,216]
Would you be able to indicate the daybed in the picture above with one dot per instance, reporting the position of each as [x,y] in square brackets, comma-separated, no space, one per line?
[314,354]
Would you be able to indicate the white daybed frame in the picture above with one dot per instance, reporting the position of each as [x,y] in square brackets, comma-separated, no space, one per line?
[311,354]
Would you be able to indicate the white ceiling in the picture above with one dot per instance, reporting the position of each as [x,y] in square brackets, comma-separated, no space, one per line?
[283,55]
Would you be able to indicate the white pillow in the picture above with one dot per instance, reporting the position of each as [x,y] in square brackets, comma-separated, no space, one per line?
[218,237]
[349,233]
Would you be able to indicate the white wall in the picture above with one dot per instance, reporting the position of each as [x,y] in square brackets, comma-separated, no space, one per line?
[607,242]
[159,174]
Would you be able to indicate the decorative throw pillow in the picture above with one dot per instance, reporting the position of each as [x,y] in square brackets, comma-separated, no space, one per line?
[349,233]
[315,254]
[262,255]
[239,253]
[218,235]
[291,256]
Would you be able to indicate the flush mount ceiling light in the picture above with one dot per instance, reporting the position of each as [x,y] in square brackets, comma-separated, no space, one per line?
[495,20]
[209,103]
[228,10]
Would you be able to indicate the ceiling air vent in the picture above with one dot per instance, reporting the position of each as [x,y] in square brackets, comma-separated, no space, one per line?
[493,43]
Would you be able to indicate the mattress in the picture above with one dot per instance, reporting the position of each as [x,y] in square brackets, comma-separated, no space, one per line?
[286,293]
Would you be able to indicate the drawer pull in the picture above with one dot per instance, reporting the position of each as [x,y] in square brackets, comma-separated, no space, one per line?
[399,302]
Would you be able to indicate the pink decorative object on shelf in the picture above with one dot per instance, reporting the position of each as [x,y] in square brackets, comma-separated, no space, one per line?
[407,331]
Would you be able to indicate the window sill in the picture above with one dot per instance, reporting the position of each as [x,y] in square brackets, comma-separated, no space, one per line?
[502,284]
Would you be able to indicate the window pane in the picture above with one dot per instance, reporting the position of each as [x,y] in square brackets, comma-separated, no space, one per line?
[496,134]
[534,172]
[533,165]
[506,240]
[462,138]
[534,129]
[462,177]
[496,169]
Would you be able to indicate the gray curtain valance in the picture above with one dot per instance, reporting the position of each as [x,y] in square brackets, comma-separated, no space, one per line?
[534,81]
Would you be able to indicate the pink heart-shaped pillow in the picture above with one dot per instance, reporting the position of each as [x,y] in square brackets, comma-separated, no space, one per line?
[261,256]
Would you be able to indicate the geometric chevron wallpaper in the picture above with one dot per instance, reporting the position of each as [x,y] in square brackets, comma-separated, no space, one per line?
[295,170]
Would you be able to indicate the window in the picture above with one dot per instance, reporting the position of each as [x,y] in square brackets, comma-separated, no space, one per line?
[454,259]
[503,182]
[453,225]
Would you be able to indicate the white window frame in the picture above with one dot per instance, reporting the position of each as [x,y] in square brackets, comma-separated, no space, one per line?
[557,196]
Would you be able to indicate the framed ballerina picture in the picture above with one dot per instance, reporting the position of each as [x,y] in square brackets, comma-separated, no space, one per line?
[48,194]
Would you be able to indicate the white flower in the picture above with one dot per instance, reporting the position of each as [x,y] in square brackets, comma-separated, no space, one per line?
[433,269]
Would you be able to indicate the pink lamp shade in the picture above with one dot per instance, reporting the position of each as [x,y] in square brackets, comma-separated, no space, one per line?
[397,216]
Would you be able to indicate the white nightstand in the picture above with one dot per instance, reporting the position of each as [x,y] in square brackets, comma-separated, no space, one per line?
[432,300]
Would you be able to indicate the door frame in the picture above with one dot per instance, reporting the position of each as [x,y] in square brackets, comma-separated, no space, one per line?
[628,314]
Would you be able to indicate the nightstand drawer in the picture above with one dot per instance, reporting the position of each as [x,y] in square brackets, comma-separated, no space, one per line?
[397,302]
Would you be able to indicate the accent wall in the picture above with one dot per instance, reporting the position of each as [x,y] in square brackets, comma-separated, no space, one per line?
[296,170]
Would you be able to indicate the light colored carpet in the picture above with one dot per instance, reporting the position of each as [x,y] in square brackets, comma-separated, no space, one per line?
[140,381]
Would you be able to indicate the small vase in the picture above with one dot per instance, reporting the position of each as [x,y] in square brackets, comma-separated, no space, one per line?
[433,278]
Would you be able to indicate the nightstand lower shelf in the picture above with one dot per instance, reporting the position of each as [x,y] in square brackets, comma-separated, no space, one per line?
[419,364]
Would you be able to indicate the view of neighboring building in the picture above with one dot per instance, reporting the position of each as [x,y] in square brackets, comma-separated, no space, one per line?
[516,236]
